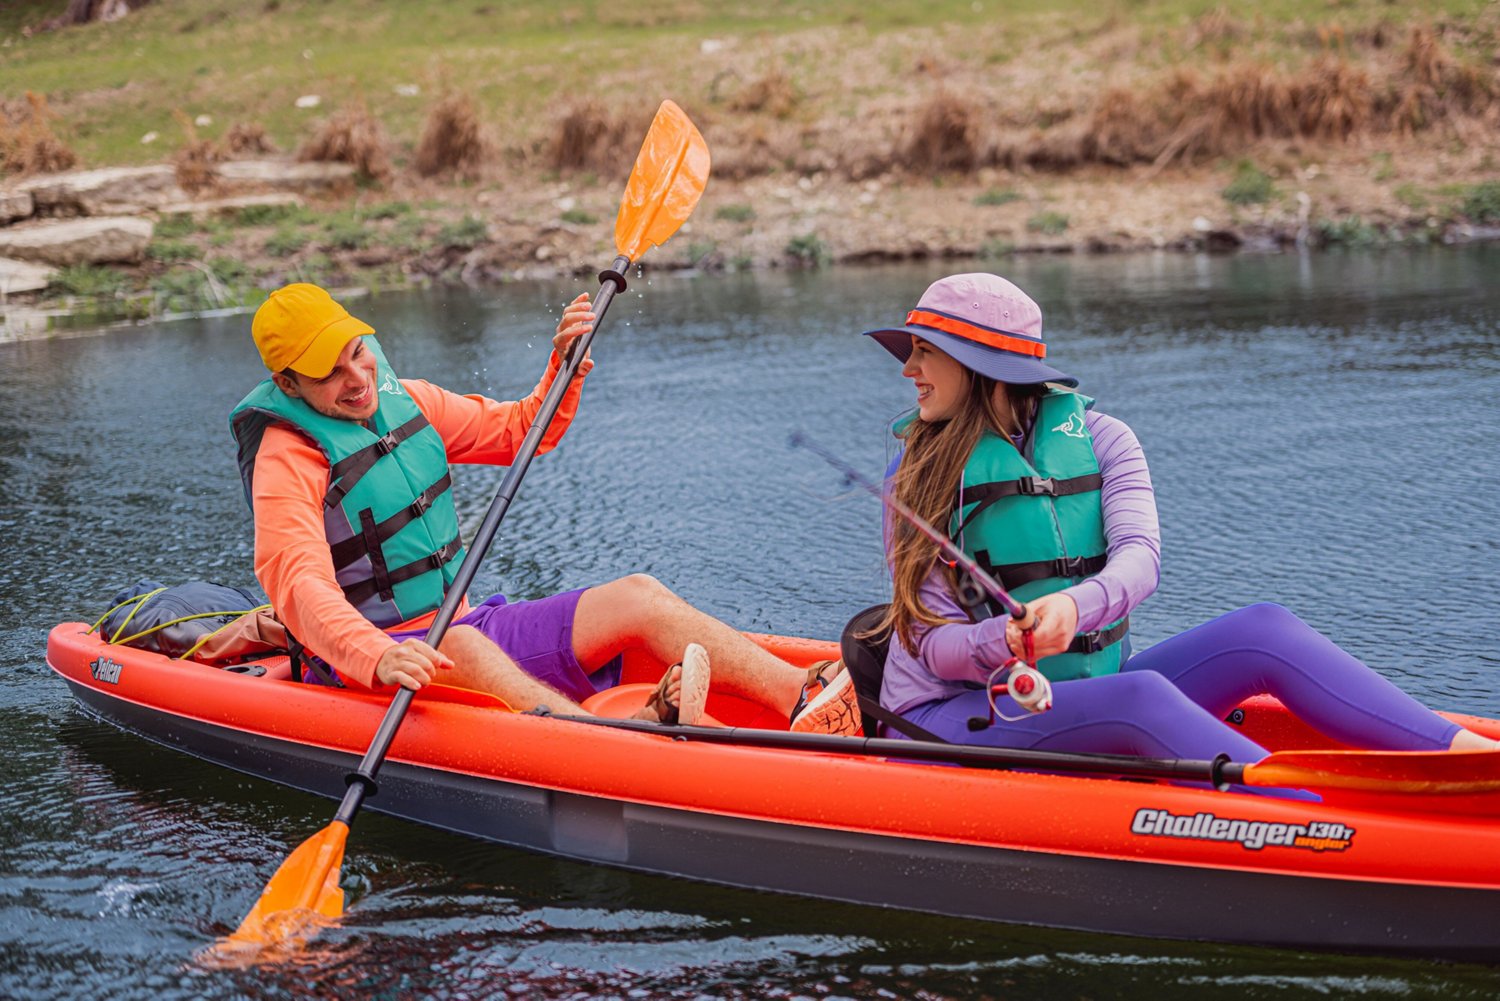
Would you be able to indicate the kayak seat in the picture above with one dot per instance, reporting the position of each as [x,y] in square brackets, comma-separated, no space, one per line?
[864,659]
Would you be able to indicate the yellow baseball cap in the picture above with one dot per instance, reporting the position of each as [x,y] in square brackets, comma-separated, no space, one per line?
[300,327]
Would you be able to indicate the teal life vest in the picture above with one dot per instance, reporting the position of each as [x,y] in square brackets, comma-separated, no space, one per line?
[1033,519]
[388,512]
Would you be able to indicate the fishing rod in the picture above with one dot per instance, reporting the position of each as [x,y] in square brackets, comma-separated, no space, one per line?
[1025,684]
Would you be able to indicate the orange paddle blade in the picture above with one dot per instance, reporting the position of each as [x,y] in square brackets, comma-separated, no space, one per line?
[303,895]
[1420,772]
[668,179]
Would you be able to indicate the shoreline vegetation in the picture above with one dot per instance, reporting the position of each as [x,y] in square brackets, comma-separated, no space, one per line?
[481,143]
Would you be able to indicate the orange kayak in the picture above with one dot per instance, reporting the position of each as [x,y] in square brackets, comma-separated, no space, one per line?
[1388,868]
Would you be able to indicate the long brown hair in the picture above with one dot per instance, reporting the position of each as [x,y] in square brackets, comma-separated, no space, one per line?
[927,481]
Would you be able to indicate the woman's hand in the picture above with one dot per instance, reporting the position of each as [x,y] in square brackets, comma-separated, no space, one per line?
[411,664]
[1056,625]
[577,320]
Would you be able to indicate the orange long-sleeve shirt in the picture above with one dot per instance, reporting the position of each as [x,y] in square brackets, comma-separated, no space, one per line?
[292,558]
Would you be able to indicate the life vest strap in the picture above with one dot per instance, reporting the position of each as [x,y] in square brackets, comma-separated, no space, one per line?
[1014,575]
[364,590]
[348,471]
[1100,638]
[351,549]
[984,494]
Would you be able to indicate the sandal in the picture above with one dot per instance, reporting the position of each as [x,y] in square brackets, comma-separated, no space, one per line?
[692,692]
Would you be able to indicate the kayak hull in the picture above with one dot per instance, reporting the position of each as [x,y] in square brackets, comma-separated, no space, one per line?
[1051,850]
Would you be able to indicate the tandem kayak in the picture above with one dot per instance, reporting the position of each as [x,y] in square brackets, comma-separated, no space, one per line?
[1397,866]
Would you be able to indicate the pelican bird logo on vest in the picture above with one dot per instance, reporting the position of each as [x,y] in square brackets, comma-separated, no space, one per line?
[390,385]
[1072,427]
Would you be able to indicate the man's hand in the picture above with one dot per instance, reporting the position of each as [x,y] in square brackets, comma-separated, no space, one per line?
[411,664]
[1056,624]
[577,320]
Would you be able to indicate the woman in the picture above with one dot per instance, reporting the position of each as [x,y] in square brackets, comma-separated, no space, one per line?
[1054,499]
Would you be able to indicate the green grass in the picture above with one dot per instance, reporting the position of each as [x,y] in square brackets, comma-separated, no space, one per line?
[1412,196]
[809,251]
[88,281]
[347,231]
[286,242]
[112,83]
[738,212]
[1251,186]
[997,196]
[171,250]
[466,233]
[1048,223]
[1482,202]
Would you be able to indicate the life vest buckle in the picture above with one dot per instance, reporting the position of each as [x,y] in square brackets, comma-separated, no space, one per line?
[420,505]
[1090,641]
[386,443]
[1072,566]
[1037,486]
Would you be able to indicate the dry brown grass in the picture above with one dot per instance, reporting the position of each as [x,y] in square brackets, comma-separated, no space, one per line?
[1435,87]
[452,140]
[248,139]
[195,160]
[772,94]
[353,136]
[27,142]
[589,137]
[944,136]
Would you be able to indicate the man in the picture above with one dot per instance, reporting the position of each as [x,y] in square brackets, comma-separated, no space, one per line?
[345,467]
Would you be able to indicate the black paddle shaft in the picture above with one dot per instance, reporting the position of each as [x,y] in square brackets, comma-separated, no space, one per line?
[361,781]
[1218,772]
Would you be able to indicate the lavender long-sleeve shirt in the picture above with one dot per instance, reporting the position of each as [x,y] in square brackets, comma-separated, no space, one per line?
[949,655]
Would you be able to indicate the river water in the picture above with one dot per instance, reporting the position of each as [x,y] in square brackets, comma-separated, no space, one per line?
[1320,432]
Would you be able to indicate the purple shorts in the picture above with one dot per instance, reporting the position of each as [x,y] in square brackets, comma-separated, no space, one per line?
[538,636]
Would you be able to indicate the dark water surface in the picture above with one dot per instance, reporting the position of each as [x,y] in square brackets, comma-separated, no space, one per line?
[1321,432]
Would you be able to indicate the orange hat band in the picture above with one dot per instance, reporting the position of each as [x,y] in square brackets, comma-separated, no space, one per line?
[974,332]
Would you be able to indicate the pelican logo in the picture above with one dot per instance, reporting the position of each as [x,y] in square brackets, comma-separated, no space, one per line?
[1072,427]
[105,670]
[390,385]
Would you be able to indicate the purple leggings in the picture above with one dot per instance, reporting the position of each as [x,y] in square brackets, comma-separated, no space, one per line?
[1169,701]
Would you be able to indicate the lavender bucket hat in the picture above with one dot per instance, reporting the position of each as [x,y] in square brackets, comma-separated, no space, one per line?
[983,322]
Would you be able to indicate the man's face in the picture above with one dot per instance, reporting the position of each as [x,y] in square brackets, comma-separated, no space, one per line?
[347,393]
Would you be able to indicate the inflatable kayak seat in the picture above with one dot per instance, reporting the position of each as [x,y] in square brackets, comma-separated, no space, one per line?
[864,659]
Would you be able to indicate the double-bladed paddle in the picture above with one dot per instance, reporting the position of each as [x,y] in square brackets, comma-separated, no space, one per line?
[668,178]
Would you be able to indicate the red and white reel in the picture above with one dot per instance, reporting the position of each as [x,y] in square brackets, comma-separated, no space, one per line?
[1027,687]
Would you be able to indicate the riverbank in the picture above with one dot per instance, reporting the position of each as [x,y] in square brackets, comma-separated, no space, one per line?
[405,236]
[841,135]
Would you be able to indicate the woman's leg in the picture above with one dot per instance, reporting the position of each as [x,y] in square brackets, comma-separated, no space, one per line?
[1265,649]
[1140,713]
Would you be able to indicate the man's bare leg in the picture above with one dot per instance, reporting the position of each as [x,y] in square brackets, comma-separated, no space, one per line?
[640,612]
[482,666]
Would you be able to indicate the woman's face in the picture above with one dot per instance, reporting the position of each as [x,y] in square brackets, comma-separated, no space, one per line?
[940,381]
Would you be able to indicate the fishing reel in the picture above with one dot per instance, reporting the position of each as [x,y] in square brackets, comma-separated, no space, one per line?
[1027,687]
